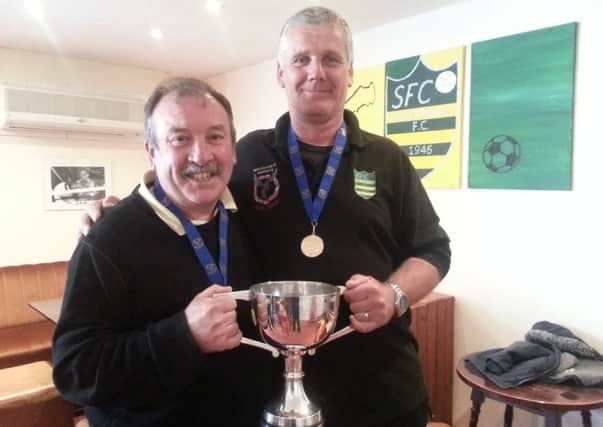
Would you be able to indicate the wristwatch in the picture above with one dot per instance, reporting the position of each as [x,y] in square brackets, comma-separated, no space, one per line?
[401,302]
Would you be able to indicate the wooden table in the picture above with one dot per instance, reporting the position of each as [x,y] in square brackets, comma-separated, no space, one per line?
[49,308]
[550,401]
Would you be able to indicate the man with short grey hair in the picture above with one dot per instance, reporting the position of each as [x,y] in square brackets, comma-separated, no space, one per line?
[326,201]
[316,16]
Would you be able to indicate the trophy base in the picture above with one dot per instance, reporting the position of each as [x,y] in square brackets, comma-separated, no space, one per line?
[275,417]
[279,419]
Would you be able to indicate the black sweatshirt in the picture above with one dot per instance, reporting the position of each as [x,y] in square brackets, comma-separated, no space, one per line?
[122,346]
[376,216]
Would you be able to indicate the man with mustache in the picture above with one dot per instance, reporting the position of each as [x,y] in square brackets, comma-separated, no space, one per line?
[141,340]
[323,200]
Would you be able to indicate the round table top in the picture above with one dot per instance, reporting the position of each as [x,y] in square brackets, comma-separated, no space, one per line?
[538,395]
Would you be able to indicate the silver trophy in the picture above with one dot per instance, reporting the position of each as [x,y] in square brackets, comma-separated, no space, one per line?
[294,317]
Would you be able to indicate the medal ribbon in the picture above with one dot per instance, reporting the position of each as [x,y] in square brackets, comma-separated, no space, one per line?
[314,207]
[215,273]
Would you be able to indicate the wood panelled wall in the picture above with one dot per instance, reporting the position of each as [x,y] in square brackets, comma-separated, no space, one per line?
[24,283]
[433,326]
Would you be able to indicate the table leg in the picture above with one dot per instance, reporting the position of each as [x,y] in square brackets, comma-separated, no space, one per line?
[508,416]
[586,419]
[477,397]
[552,419]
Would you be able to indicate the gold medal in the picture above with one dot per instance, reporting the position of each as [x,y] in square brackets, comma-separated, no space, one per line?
[312,246]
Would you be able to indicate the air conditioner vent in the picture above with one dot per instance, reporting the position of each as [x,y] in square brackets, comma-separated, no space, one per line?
[46,110]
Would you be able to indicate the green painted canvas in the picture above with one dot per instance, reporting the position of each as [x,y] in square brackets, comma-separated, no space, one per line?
[522,99]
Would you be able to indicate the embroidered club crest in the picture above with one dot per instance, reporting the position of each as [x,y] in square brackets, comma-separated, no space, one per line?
[265,184]
[365,183]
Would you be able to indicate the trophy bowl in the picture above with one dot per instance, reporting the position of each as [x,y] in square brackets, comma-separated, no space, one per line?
[294,318]
[295,315]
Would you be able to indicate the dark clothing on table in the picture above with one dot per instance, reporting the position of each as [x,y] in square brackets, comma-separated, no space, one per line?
[517,364]
[552,335]
[122,346]
[361,379]
[550,354]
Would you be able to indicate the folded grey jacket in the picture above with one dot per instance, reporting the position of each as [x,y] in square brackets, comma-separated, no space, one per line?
[552,335]
[585,373]
[516,364]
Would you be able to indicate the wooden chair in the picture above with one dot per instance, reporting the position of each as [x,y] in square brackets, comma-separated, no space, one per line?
[25,336]
[28,398]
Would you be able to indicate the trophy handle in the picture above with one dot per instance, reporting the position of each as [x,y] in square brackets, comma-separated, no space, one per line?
[259,344]
[240,295]
[343,331]
[244,296]
[336,335]
[340,333]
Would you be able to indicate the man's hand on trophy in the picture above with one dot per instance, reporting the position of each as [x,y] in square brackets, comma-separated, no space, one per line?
[371,303]
[93,213]
[213,321]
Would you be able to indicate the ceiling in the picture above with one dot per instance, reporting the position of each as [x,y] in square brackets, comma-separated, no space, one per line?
[195,41]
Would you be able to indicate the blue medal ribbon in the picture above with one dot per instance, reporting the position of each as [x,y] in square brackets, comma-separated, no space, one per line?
[215,273]
[314,206]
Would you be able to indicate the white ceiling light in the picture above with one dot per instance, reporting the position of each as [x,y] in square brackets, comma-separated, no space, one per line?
[156,33]
[213,6]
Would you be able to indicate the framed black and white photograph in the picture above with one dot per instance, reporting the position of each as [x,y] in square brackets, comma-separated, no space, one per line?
[74,184]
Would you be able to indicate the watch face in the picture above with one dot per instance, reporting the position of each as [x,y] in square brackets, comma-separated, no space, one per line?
[401,301]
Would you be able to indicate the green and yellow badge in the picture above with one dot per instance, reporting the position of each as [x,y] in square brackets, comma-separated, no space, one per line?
[365,183]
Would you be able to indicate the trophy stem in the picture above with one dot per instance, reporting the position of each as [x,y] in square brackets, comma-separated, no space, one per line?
[294,409]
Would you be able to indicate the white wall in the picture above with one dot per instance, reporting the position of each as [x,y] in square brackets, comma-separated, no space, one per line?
[254,94]
[31,234]
[518,256]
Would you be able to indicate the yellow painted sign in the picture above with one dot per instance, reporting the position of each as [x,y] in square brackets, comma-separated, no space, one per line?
[424,112]
[366,98]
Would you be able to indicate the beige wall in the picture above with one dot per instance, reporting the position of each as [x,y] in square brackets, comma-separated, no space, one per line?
[31,234]
[255,95]
[518,256]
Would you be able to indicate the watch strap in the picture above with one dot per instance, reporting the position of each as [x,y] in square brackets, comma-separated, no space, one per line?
[401,303]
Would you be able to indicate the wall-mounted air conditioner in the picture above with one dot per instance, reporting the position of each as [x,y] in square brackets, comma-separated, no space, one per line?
[35,109]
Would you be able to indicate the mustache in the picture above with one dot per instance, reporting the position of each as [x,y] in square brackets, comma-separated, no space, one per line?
[211,169]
